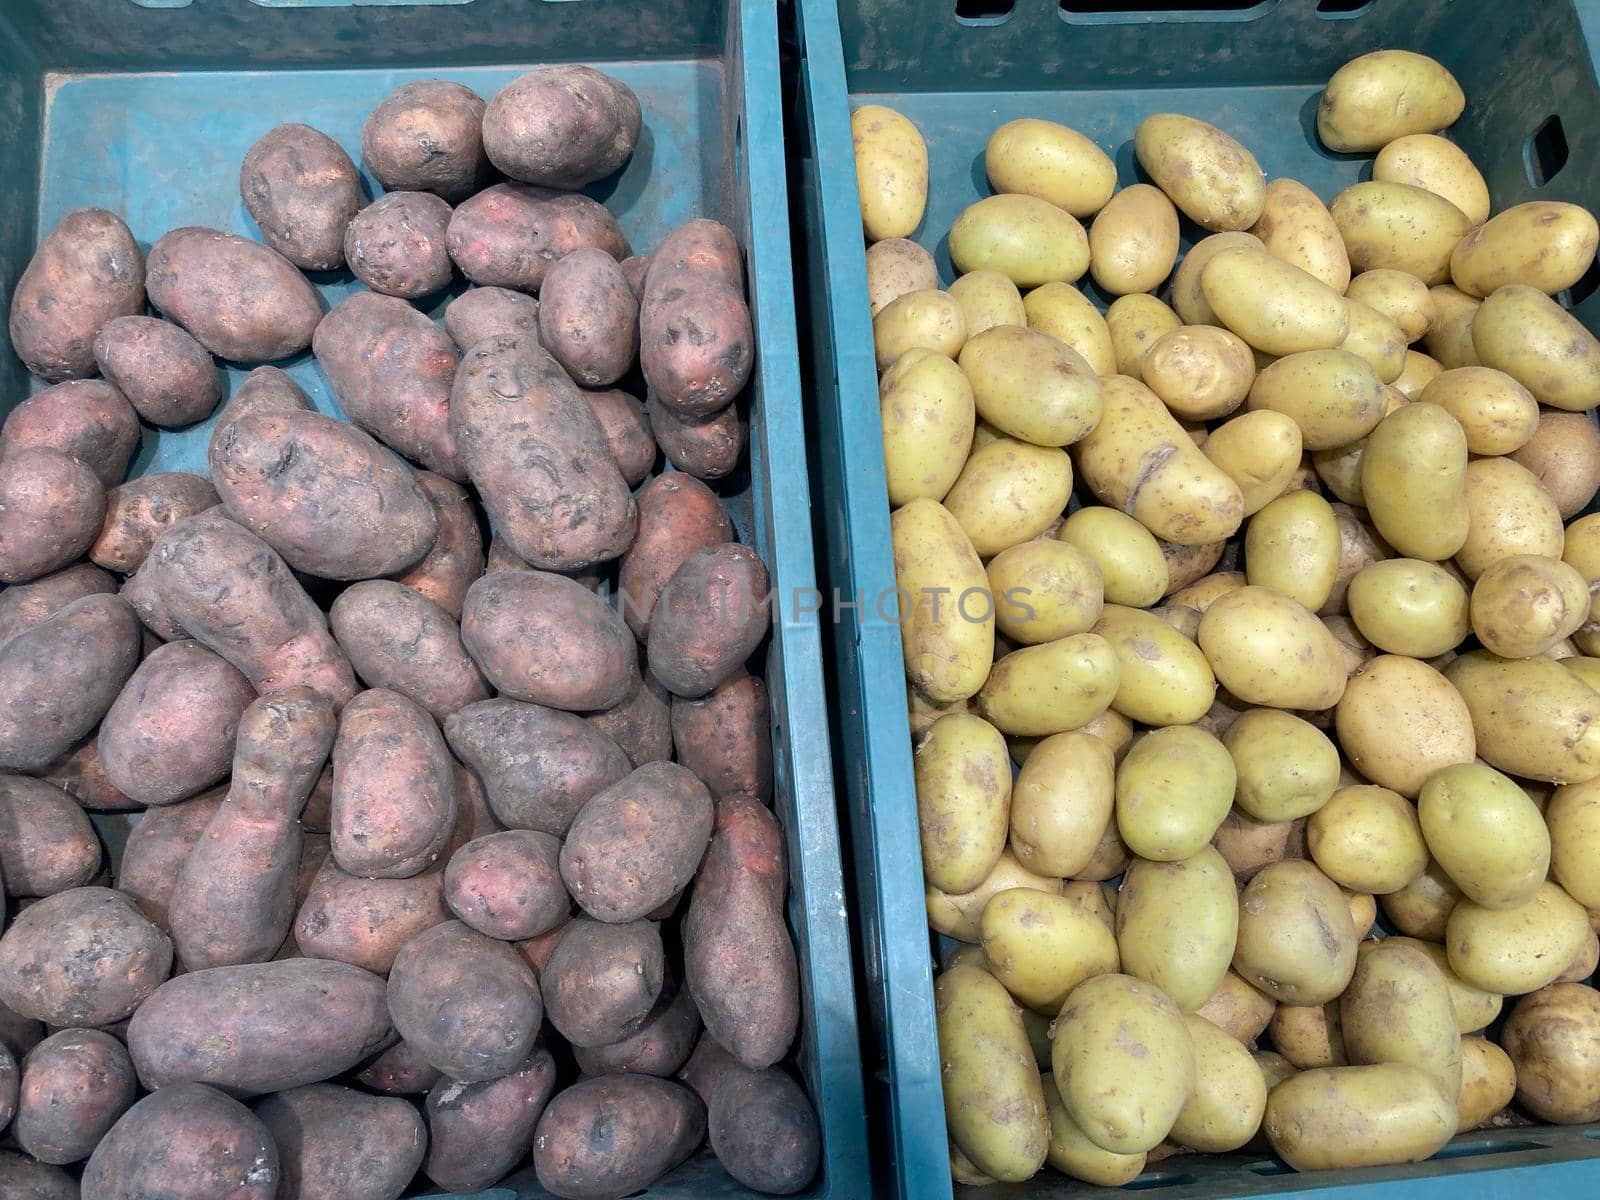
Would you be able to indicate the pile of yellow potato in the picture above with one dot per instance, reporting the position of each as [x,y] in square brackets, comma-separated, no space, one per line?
[1365,709]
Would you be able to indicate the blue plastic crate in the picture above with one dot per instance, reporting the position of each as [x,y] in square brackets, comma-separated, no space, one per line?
[146,107]
[959,69]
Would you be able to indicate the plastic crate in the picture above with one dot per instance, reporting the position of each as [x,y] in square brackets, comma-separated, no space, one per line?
[959,69]
[146,107]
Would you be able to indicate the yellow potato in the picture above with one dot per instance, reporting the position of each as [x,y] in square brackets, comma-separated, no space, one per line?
[1496,412]
[1508,514]
[1041,946]
[1585,668]
[1397,1010]
[1437,165]
[1205,591]
[1052,162]
[1130,561]
[957,914]
[1420,370]
[1133,242]
[1185,564]
[1543,244]
[1272,304]
[1581,551]
[1136,323]
[963,1172]
[1176,925]
[1165,680]
[1400,721]
[1366,838]
[1269,649]
[925,403]
[1400,227]
[921,712]
[1410,607]
[1525,604]
[963,777]
[1044,590]
[1413,476]
[1338,1117]
[1378,97]
[1532,718]
[1421,908]
[1246,844]
[891,171]
[1339,469]
[987,299]
[896,266]
[1051,688]
[1485,834]
[1292,546]
[1062,802]
[947,656]
[1553,1038]
[1259,451]
[1110,857]
[1287,767]
[1067,315]
[1573,817]
[1116,731]
[1201,372]
[1564,455]
[1359,547]
[1215,181]
[1008,492]
[1403,298]
[1099,900]
[1309,1036]
[1123,1061]
[1139,460]
[1028,240]
[1530,337]
[1186,620]
[1376,340]
[1074,1155]
[1333,395]
[993,1101]
[1296,941]
[1363,911]
[1230,1093]
[1488,1082]
[1236,1008]
[1174,787]
[1187,297]
[1295,226]
[1449,339]
[1472,1008]
[918,320]
[1031,386]
[1517,950]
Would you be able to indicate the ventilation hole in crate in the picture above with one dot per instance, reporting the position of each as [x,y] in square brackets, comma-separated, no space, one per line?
[1545,152]
[1271,1168]
[1160,1179]
[984,12]
[1588,283]
[1335,9]
[163,3]
[1113,8]
[1475,1147]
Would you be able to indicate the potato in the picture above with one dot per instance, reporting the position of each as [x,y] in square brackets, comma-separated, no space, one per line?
[1296,940]
[508,235]
[1272,304]
[325,1135]
[1516,949]
[1563,454]
[1399,722]
[427,136]
[1236,1008]
[987,299]
[1309,1037]
[301,189]
[724,738]
[1553,1039]
[1045,589]
[74,1086]
[659,1046]
[1173,789]
[1376,340]
[166,375]
[1041,946]
[1473,1008]
[1530,337]
[1532,718]
[1067,315]
[1050,688]
[615,1135]
[602,980]
[1413,476]
[1163,678]
[896,266]
[397,245]
[1052,162]
[1488,1082]
[1399,227]
[739,963]
[1259,451]
[1186,294]
[365,922]
[1294,225]
[1497,413]
[947,656]
[479,1131]
[1136,322]
[1543,244]
[87,419]
[561,127]
[678,515]
[1060,806]
[85,956]
[1449,339]
[1123,1061]
[891,170]
[1292,545]
[926,320]
[1215,181]
[1422,907]
[707,449]
[1367,839]
[1409,607]
[763,1131]
[400,640]
[1200,372]
[1230,1092]
[1249,634]
[1435,164]
[712,615]
[1399,296]
[139,510]
[185,1140]
[1332,395]
[1031,386]
[51,510]
[963,781]
[1523,605]
[1420,370]
[1176,925]
[1378,97]
[87,271]
[1336,1117]
[485,312]
[1133,241]
[1247,845]
[1131,565]
[1573,819]
[957,915]
[1026,239]
[1073,1154]
[695,338]
[1509,515]
[1397,1009]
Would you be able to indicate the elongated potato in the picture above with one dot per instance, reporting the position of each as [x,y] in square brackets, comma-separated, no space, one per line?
[1543,244]
[1069,316]
[301,189]
[1041,946]
[51,511]
[1292,545]
[1031,386]
[1295,226]
[1133,241]
[508,235]
[1516,950]
[1163,678]
[1532,718]
[947,656]
[1413,475]
[963,781]
[86,272]
[394,804]
[1485,834]
[891,171]
[1428,161]
[1378,97]
[1052,162]
[168,377]
[1028,240]
[1051,688]
[1215,181]
[1521,331]
[1176,925]
[1270,303]
[926,405]
[1400,227]
[1060,806]
[1363,1116]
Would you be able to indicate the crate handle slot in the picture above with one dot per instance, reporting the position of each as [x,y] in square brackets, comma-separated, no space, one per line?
[1545,152]
[1339,10]
[984,12]
[1156,11]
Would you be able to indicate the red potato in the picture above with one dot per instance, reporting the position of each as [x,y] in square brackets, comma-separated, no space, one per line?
[86,419]
[455,559]
[536,951]
[707,1067]
[739,964]
[561,127]
[187,1142]
[26,1178]
[508,885]
[390,369]
[589,317]
[75,1085]
[725,737]
[301,189]
[538,765]
[157,846]
[508,235]
[241,300]
[538,457]
[400,640]
[81,773]
[763,1131]
[138,511]
[170,734]
[335,1143]
[696,343]
[227,589]
[51,508]
[633,270]
[259,1027]
[466,1002]
[602,980]
[323,494]
[166,375]
[478,1131]
[614,1135]
[627,432]
[709,618]
[427,136]
[81,957]
[399,1071]
[474,817]
[641,724]
[501,558]
[366,921]
[658,822]
[705,447]
[484,312]
[86,272]
[58,678]
[266,389]
[394,803]
[396,245]
[24,605]
[46,842]
[235,896]
[660,1045]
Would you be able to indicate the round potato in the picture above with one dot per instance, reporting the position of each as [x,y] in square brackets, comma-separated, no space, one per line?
[1074,1155]
[1496,412]
[1230,1095]
[1051,688]
[1422,907]
[1525,604]
[1543,244]
[1260,452]
[1296,226]
[1488,1082]
[1437,165]
[1286,767]
[1399,227]
[1026,239]
[1368,1116]
[963,778]
[896,266]
[1272,304]
[891,171]
[948,655]
[1397,1010]
[1200,372]
[1367,839]
[1409,607]
[1414,479]
[1400,721]
[1008,492]
[1553,1039]
[956,914]
[1045,589]
[1378,97]
[1215,181]
[1267,648]
[1164,679]
[1508,514]
[1132,568]
[1573,819]
[1297,942]
[1292,545]
[1070,317]
[1564,456]
[1333,395]
[1518,949]
[927,320]
[1375,340]
[1526,334]
[1052,162]
[1136,323]
[1532,718]
[1309,1036]
[987,299]
[927,411]
[1403,298]
[1031,385]
[1061,803]
[1174,787]
[1176,925]
[1133,242]
[1041,946]
[1238,1009]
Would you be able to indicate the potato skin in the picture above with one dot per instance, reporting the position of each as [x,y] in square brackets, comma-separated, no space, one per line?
[678,515]
[396,245]
[1553,1038]
[478,1131]
[427,136]
[170,733]
[75,1085]
[157,845]
[725,739]
[24,605]
[467,1003]
[87,271]
[710,617]
[659,1046]
[265,389]
[707,449]
[696,343]
[301,189]
[51,509]
[602,980]
[394,801]
[49,845]
[588,317]
[185,1141]
[763,1131]
[484,312]
[138,511]
[365,922]
[86,419]
[167,375]
[390,368]
[641,725]
[561,127]
[510,234]
[398,1071]
[627,432]
[615,1134]
[58,678]
[335,1143]
[455,559]
[508,885]
[400,640]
